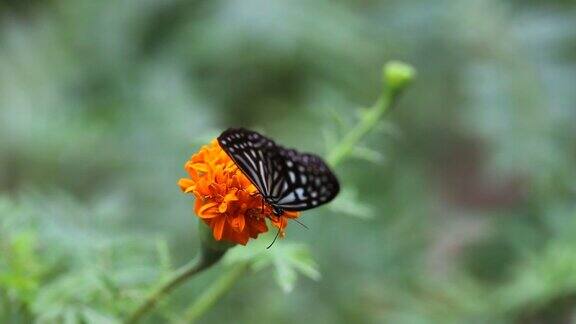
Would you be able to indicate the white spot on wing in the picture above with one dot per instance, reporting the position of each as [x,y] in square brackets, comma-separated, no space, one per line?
[291,197]
[292,176]
[300,193]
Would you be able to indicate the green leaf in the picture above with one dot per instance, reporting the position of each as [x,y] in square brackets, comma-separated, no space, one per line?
[348,203]
[287,259]
[285,275]
[305,264]
[93,317]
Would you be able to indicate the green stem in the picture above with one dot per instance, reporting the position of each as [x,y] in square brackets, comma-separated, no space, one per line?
[204,260]
[369,120]
[210,296]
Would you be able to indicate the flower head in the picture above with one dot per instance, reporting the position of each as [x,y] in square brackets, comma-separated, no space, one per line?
[225,199]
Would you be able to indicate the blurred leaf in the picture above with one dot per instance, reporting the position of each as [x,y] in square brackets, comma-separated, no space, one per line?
[348,203]
[90,316]
[368,154]
[287,259]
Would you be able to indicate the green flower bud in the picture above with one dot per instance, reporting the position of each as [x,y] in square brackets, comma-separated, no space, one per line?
[397,75]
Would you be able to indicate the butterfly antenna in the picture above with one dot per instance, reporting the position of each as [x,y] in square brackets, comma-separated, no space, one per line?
[299,222]
[275,237]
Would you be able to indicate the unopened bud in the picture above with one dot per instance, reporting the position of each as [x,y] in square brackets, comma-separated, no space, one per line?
[397,75]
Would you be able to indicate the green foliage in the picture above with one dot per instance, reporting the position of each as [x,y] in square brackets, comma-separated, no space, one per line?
[21,271]
[95,278]
[462,202]
[288,260]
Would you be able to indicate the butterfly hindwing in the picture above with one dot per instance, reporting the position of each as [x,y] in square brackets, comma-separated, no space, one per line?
[310,182]
[287,179]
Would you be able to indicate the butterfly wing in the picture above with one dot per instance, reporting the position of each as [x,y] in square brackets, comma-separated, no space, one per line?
[257,157]
[287,179]
[308,183]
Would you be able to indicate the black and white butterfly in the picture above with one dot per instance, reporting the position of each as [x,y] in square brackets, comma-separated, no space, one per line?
[287,179]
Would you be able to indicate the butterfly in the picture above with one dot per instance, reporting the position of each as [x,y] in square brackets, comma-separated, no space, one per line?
[287,179]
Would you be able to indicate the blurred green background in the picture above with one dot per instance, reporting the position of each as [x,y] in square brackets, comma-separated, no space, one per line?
[461,208]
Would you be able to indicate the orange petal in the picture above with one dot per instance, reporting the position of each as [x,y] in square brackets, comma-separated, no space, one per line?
[197,205]
[222,208]
[194,175]
[291,214]
[210,214]
[251,188]
[203,188]
[205,207]
[238,237]
[238,222]
[281,222]
[202,167]
[185,183]
[219,228]
[231,196]
[256,227]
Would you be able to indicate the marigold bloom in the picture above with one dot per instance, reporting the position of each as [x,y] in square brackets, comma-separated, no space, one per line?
[225,199]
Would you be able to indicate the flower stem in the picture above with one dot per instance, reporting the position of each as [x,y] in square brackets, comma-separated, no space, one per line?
[369,120]
[397,76]
[204,260]
[211,295]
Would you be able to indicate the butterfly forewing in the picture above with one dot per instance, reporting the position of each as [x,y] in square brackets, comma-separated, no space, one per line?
[256,156]
[287,179]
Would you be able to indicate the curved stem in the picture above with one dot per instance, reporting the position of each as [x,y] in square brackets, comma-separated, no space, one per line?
[204,260]
[369,120]
[210,296]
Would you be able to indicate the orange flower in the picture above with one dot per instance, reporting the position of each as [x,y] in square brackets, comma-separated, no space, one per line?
[225,199]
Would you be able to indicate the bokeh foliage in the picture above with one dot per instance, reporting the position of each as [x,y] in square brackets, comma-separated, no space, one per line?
[464,199]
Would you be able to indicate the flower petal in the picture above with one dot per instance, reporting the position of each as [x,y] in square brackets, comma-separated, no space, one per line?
[202,167]
[231,196]
[222,208]
[237,223]
[184,184]
[219,228]
[206,207]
